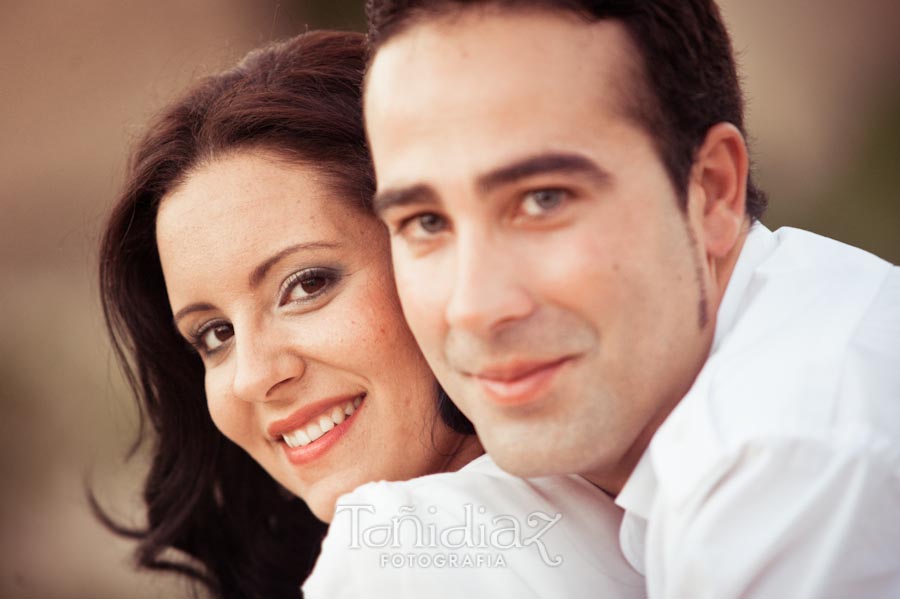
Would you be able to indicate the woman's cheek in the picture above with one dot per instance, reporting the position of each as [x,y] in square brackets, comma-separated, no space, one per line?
[221,410]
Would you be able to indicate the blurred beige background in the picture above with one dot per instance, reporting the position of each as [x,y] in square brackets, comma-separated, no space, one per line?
[80,78]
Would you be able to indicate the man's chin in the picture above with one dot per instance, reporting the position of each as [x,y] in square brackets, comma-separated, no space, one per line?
[522,468]
[525,460]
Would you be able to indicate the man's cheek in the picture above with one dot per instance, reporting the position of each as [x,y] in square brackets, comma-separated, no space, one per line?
[422,291]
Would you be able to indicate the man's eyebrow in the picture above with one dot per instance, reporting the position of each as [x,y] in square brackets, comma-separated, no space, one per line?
[403,196]
[539,165]
[557,162]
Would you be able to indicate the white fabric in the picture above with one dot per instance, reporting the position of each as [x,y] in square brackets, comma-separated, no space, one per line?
[778,474]
[584,539]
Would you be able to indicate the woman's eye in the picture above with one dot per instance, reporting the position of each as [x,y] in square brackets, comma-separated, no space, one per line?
[212,338]
[542,201]
[306,284]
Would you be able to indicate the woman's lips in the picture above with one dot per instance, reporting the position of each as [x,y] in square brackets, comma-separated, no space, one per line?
[305,436]
[521,382]
[307,414]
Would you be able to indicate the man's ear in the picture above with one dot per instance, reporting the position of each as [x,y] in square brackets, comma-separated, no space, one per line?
[718,189]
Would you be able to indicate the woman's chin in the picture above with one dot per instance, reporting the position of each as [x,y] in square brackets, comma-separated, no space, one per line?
[323,510]
[322,502]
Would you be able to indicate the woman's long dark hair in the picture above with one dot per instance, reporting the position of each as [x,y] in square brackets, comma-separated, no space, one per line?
[232,526]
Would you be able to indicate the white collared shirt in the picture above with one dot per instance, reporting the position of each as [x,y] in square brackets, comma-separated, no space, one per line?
[778,474]
[478,532]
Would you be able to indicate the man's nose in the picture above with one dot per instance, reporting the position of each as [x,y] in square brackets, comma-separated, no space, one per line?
[265,360]
[489,286]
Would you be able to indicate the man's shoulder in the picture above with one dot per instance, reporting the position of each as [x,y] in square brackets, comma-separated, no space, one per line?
[808,278]
[811,249]
[784,366]
[811,355]
[791,431]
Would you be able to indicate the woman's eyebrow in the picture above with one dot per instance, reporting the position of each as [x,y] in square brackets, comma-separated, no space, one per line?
[260,271]
[190,309]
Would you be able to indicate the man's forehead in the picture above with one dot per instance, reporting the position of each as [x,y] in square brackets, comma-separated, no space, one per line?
[455,62]
[497,88]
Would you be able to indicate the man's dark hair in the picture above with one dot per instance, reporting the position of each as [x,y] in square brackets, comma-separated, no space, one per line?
[689,82]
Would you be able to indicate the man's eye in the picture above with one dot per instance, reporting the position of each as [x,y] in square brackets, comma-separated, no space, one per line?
[212,337]
[542,201]
[306,284]
[430,222]
[422,225]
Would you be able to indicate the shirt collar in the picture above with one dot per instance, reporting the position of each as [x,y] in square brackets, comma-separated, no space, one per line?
[637,495]
[759,244]
[636,498]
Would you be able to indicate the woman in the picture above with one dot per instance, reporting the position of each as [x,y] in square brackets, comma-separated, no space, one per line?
[288,118]
[249,294]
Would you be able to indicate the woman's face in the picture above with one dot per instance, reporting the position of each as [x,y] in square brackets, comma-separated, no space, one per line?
[285,289]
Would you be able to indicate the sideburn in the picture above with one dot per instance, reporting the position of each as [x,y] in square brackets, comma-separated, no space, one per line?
[703,302]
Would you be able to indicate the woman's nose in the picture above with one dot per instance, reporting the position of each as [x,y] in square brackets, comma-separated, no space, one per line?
[265,360]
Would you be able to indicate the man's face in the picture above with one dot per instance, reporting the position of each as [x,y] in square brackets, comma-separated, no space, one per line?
[542,259]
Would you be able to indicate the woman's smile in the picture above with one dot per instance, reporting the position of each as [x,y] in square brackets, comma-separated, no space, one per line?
[306,438]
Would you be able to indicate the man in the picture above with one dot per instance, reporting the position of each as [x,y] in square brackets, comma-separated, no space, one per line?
[577,249]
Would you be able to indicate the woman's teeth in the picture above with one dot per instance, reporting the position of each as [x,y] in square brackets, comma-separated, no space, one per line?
[322,424]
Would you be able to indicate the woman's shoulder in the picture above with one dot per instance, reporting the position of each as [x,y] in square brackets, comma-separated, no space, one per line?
[484,485]
[509,512]
[476,530]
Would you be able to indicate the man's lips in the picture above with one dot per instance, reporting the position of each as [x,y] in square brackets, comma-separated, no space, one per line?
[513,371]
[519,382]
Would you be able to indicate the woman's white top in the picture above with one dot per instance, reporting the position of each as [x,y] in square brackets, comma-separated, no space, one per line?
[477,532]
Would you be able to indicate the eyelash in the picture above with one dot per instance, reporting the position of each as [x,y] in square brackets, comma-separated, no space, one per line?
[330,277]
[562,196]
[196,338]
